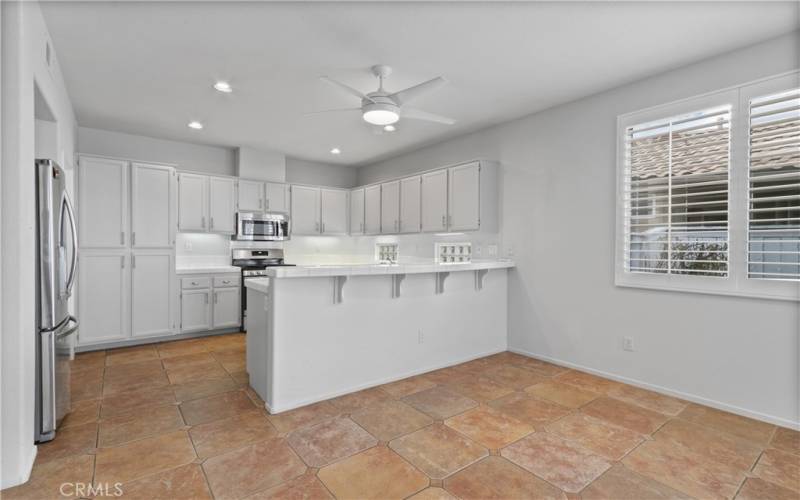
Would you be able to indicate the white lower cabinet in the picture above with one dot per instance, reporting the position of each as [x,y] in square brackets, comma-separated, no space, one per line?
[103,294]
[226,307]
[152,294]
[210,302]
[195,310]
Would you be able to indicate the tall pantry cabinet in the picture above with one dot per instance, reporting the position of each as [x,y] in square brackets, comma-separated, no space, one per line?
[127,219]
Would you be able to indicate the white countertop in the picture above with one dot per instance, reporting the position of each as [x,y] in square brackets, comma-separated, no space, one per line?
[366,269]
[206,269]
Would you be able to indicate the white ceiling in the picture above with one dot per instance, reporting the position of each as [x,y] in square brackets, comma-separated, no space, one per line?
[147,68]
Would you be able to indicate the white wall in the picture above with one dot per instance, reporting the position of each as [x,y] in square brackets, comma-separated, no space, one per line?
[209,159]
[324,174]
[259,164]
[24,37]
[558,211]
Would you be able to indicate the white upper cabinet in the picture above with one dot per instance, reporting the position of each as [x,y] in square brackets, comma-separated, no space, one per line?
[222,205]
[372,209]
[357,211]
[251,196]
[390,207]
[103,203]
[103,296]
[152,293]
[464,197]
[152,206]
[410,205]
[192,202]
[433,194]
[277,197]
[305,210]
[333,204]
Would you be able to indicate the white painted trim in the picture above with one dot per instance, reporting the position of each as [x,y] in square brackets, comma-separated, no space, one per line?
[374,383]
[736,282]
[112,344]
[6,482]
[666,391]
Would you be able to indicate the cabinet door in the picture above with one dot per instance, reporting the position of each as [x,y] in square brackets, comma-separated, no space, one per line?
[103,297]
[103,203]
[222,205]
[305,210]
[251,196]
[226,307]
[464,197]
[372,210]
[192,202]
[152,281]
[333,203]
[277,197]
[409,204]
[152,223]
[390,207]
[195,310]
[357,211]
[433,201]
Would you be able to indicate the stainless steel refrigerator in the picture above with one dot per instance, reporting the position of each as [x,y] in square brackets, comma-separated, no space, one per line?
[57,252]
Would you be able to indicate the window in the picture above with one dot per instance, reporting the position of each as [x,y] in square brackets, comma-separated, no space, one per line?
[773,244]
[709,193]
[676,194]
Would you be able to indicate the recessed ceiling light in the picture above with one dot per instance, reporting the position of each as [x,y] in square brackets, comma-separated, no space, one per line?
[336,151]
[389,128]
[195,125]
[223,87]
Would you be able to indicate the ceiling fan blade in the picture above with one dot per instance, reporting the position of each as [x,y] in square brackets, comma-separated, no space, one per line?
[411,93]
[418,114]
[330,111]
[347,88]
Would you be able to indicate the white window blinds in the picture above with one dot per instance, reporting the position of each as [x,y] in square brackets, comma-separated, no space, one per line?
[773,243]
[675,190]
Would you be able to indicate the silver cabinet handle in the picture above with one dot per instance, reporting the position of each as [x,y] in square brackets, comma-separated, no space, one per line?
[133,238]
[216,297]
[449,220]
[444,221]
[225,282]
[194,283]
[133,262]
[260,201]
[211,223]
[323,227]
[206,297]
[267,203]
[122,262]
[203,222]
[316,226]
[122,237]
[362,227]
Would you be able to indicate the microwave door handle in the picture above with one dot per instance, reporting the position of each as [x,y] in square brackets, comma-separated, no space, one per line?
[67,204]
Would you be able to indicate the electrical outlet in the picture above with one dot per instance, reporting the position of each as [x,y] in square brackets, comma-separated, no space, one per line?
[420,337]
[187,246]
[492,250]
[478,249]
[627,343]
[510,251]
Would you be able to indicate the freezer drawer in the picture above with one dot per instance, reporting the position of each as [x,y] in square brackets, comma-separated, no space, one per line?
[54,400]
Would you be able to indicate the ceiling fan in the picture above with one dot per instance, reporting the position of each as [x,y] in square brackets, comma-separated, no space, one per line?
[384,108]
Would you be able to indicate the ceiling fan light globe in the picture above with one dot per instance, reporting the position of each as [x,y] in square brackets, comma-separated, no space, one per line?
[380,114]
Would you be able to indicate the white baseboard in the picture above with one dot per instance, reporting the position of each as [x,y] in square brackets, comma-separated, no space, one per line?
[153,340]
[374,383]
[667,391]
[27,467]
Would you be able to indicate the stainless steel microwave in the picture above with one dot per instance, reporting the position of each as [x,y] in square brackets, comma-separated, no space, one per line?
[257,226]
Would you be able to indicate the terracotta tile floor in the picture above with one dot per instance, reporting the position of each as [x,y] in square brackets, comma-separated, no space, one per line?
[177,420]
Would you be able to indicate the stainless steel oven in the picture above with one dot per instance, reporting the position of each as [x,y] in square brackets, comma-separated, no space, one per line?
[257,226]
[254,263]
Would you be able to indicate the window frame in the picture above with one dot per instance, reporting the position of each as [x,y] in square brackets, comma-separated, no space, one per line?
[737,282]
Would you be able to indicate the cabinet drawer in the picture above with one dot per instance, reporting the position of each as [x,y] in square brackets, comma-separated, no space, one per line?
[197,282]
[224,281]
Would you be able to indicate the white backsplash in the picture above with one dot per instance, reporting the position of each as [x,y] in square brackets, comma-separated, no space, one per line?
[215,249]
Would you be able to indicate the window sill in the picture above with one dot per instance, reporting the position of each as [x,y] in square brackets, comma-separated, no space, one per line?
[784,291]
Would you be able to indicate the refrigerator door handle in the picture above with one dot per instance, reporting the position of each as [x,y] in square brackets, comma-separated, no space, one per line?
[74,264]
